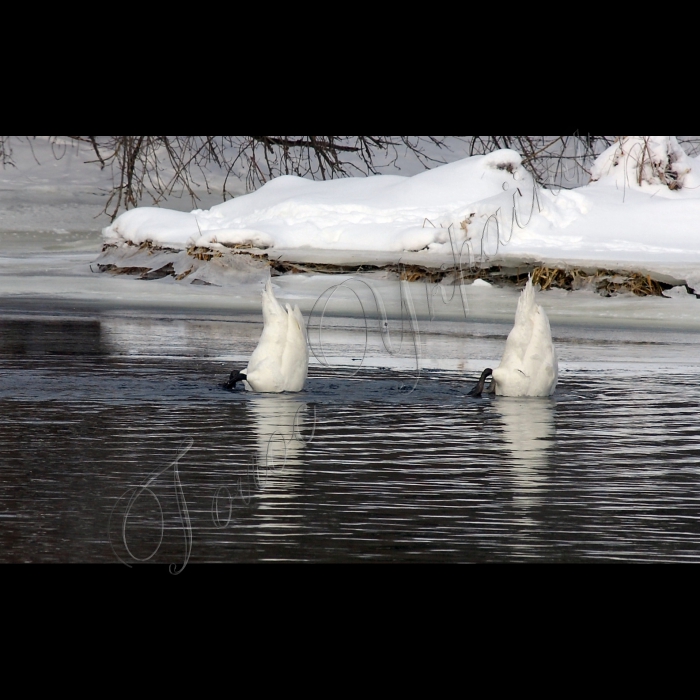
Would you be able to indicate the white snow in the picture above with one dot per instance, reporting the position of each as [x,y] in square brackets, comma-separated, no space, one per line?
[476,207]
[636,213]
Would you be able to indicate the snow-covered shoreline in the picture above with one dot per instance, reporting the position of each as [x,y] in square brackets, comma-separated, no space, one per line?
[627,221]
[476,213]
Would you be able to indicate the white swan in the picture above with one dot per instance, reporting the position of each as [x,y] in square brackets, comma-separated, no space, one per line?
[529,364]
[280,362]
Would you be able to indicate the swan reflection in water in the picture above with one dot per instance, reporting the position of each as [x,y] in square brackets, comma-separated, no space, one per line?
[528,429]
[278,420]
[281,425]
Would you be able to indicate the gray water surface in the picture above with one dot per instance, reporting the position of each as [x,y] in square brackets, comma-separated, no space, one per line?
[118,443]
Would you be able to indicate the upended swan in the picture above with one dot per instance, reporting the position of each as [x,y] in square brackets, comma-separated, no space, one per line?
[280,362]
[529,364]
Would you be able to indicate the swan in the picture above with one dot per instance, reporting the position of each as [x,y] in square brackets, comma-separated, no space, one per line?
[529,364]
[280,361]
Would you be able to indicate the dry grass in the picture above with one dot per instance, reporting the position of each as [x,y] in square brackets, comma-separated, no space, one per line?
[203,253]
[603,281]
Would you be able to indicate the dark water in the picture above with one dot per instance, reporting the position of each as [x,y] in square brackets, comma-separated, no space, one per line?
[109,457]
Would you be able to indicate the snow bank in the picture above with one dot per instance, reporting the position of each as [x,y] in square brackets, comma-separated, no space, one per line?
[377,213]
[640,208]
[647,162]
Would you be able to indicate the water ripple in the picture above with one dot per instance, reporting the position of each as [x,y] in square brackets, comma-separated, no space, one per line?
[367,465]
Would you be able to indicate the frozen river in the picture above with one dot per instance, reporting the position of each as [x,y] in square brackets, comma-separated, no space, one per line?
[117,442]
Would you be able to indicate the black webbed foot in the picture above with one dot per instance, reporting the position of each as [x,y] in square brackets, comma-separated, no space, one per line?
[479,387]
[233,379]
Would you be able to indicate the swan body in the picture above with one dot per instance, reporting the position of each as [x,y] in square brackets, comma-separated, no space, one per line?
[280,362]
[529,364]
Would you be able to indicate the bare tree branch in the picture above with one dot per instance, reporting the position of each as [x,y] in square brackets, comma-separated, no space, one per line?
[155,167]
